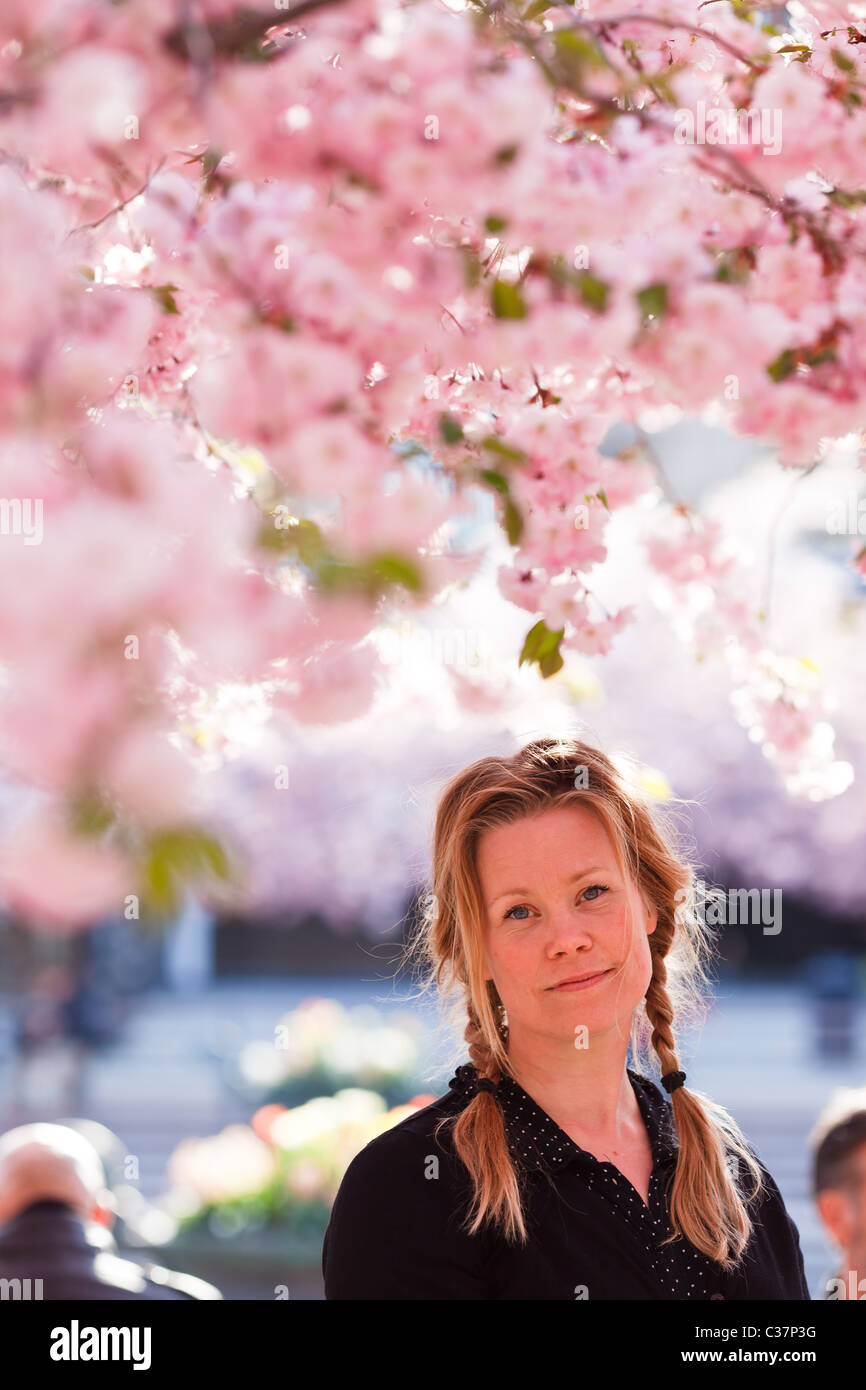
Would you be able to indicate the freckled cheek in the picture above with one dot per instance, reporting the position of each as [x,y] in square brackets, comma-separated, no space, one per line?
[515,966]
[625,943]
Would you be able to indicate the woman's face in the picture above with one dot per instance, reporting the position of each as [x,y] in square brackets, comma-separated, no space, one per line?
[556,906]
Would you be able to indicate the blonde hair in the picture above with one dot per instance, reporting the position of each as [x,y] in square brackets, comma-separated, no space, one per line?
[706,1204]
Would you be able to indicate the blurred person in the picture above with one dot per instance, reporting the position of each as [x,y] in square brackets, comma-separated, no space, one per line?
[69,1011]
[838,1144]
[40,1036]
[565,922]
[56,1214]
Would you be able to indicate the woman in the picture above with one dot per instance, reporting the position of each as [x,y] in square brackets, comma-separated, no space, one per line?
[568,928]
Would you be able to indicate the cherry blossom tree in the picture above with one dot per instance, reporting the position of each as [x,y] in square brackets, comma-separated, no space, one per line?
[288,290]
[348,835]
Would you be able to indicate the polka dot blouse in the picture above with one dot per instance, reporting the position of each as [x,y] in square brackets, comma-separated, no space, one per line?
[404,1199]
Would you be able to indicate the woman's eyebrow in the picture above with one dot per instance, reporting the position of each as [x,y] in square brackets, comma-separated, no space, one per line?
[593,869]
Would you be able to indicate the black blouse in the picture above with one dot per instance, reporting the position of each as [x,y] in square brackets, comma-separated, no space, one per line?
[394,1231]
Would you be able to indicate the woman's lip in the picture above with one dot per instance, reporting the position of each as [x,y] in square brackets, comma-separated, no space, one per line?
[580,984]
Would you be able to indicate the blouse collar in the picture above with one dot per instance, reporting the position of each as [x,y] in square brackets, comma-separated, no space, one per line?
[541,1144]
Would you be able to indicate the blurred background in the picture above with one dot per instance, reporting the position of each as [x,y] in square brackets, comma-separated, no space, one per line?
[229,1066]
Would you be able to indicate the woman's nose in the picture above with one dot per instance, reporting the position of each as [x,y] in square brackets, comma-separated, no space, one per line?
[568,930]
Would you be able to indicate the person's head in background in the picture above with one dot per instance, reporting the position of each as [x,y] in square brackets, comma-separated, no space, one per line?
[839,1184]
[48,1162]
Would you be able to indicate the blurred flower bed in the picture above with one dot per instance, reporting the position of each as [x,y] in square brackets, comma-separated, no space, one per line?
[321,1048]
[281,1171]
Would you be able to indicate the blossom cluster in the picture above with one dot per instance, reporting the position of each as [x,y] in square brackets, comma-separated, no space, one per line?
[286,290]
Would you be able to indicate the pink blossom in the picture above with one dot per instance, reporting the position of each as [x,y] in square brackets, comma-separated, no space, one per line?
[522,586]
[330,455]
[151,780]
[332,687]
[572,536]
[91,97]
[240,291]
[57,879]
[595,637]
[269,382]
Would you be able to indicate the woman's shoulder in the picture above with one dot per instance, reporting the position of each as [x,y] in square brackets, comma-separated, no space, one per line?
[422,1133]
[396,1228]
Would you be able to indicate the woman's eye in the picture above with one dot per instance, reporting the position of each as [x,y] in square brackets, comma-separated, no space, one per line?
[593,888]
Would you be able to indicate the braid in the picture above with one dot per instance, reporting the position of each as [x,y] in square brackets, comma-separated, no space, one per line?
[488,1060]
[702,1162]
[478,1131]
[660,1012]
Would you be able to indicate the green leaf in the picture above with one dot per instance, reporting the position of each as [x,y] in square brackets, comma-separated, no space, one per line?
[164,296]
[576,53]
[494,445]
[603,495]
[494,480]
[330,573]
[391,568]
[593,291]
[796,48]
[333,575]
[177,858]
[847,199]
[450,429]
[783,366]
[842,62]
[512,518]
[301,536]
[534,642]
[536,9]
[507,154]
[653,301]
[495,223]
[507,301]
[549,665]
[210,160]
[471,267]
[541,645]
[513,521]
[90,813]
